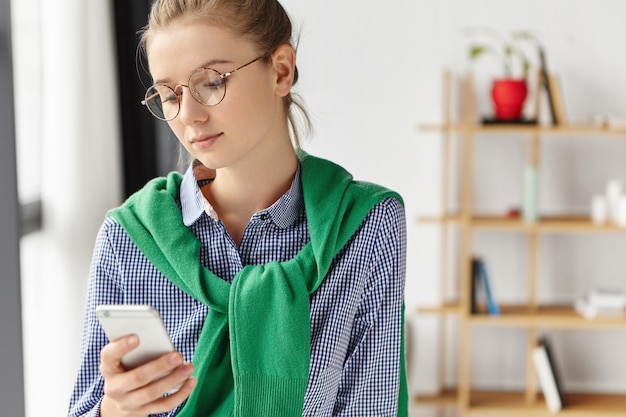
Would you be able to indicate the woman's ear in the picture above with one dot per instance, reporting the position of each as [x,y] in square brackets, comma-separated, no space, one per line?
[284,64]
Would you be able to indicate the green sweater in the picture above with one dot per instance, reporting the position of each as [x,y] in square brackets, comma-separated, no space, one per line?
[252,358]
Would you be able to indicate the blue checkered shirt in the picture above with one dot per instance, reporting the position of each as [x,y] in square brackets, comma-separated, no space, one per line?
[355,313]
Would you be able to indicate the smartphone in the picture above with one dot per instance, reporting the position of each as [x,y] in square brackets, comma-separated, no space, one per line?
[141,320]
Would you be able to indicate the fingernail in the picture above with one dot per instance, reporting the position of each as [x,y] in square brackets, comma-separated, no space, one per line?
[132,341]
[188,369]
[175,358]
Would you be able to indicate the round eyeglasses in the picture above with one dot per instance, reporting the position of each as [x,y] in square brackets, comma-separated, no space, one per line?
[207,87]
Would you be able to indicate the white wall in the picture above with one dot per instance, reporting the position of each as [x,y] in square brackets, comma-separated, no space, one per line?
[371,72]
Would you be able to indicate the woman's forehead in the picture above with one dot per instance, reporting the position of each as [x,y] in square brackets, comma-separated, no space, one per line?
[192,45]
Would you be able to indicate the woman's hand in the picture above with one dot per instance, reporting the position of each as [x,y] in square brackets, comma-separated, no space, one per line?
[136,393]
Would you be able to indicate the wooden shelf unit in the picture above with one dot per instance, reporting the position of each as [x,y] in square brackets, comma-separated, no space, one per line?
[531,316]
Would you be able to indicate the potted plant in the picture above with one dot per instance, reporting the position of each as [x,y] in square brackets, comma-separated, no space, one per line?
[509,91]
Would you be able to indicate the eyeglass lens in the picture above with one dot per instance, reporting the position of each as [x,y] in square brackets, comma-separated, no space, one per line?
[206,85]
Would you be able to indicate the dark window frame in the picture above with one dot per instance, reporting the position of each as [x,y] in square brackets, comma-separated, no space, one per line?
[11,348]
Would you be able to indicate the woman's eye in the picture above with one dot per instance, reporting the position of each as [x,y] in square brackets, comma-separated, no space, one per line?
[214,84]
[169,98]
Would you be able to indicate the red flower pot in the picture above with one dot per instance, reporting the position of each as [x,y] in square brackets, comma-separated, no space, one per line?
[508,98]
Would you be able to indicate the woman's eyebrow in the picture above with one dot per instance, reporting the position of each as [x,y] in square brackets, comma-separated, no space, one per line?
[208,64]
[215,62]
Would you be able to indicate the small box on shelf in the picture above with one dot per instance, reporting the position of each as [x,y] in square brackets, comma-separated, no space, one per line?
[607,298]
[601,303]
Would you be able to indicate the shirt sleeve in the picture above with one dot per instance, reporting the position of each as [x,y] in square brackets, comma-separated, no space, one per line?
[107,285]
[370,379]
[103,288]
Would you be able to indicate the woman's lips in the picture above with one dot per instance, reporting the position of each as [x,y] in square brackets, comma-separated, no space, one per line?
[204,141]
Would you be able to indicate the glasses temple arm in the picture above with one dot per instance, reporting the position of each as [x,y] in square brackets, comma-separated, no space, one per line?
[144,102]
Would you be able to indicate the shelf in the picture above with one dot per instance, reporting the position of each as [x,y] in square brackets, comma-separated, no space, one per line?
[547,224]
[514,404]
[558,317]
[497,403]
[524,129]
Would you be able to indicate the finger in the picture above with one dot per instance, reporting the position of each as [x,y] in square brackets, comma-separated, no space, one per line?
[171,382]
[150,398]
[142,376]
[169,402]
[111,354]
[119,382]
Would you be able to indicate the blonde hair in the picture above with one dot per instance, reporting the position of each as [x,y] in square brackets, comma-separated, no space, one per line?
[263,22]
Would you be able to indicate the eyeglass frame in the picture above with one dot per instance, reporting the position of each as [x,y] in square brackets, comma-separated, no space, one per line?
[223,76]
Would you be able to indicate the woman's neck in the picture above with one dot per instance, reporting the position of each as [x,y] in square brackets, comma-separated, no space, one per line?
[242,190]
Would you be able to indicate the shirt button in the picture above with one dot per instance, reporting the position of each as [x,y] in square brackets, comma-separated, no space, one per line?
[265,216]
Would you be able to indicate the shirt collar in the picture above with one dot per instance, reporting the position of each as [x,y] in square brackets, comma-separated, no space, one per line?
[284,212]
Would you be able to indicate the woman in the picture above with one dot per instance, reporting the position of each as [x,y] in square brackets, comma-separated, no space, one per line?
[278,277]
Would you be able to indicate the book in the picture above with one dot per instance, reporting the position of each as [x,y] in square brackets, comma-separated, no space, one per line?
[492,306]
[545,82]
[480,281]
[548,375]
[475,287]
[557,99]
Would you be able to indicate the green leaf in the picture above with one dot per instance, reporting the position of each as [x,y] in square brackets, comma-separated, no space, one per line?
[476,51]
[523,36]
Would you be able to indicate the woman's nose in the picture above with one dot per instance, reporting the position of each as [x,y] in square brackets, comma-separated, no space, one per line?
[191,111]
